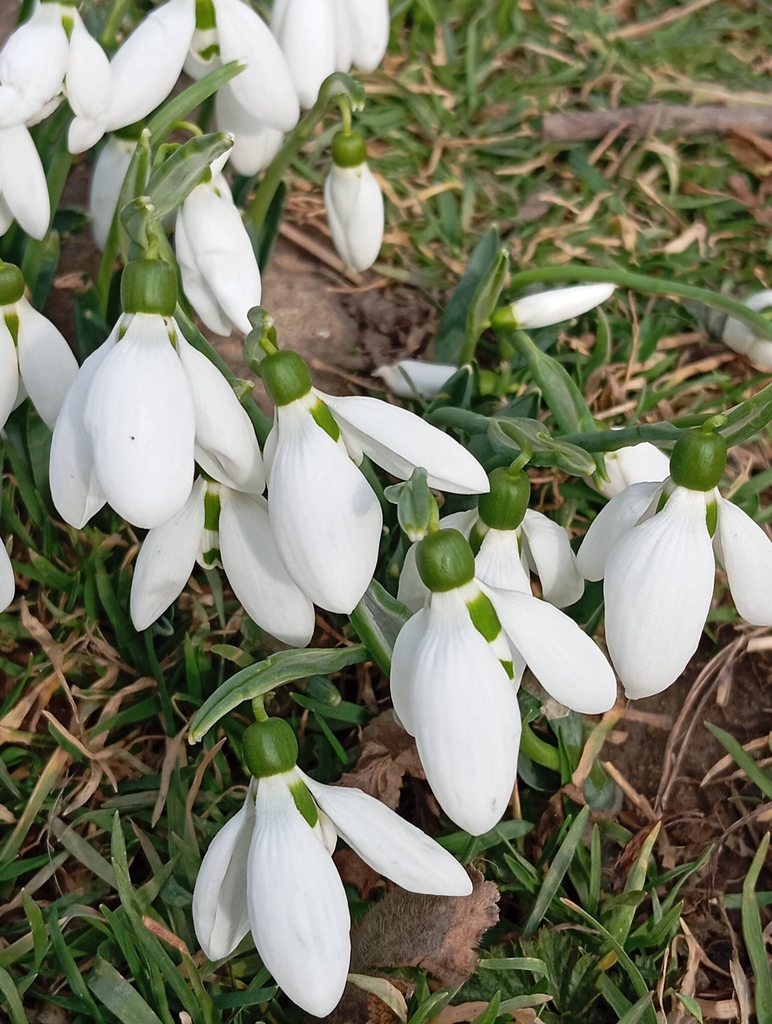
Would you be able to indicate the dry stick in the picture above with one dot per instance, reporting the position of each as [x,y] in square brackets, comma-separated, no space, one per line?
[645,118]
[639,29]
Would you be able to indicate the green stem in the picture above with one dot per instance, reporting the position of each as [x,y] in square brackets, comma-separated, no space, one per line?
[35,249]
[113,24]
[332,87]
[538,750]
[258,709]
[648,285]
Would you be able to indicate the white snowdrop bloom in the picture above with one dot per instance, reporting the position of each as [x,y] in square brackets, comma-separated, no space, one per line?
[367,31]
[254,144]
[269,870]
[510,541]
[453,688]
[635,464]
[35,359]
[553,307]
[413,377]
[354,203]
[7,581]
[221,526]
[306,31]
[344,57]
[219,268]
[656,547]
[106,97]
[106,182]
[33,64]
[23,187]
[143,407]
[326,518]
[741,338]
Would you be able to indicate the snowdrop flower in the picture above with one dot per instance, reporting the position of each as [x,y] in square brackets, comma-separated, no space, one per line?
[7,581]
[740,337]
[325,516]
[510,541]
[354,203]
[306,31]
[33,63]
[260,103]
[553,307]
[218,525]
[654,544]
[632,465]
[270,871]
[413,377]
[35,359]
[106,183]
[23,187]
[219,268]
[142,408]
[367,24]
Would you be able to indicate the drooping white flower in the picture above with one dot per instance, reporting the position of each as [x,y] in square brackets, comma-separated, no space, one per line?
[413,377]
[106,182]
[325,516]
[306,31]
[635,464]
[269,871]
[367,30]
[7,581]
[553,307]
[219,268]
[34,357]
[143,407]
[354,203]
[221,526]
[741,338]
[23,187]
[655,545]
[33,64]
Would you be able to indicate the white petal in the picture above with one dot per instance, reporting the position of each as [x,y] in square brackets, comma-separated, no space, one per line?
[89,76]
[746,553]
[411,377]
[23,181]
[297,905]
[399,441]
[402,679]
[254,145]
[635,464]
[32,64]
[140,417]
[226,446]
[75,489]
[7,581]
[166,560]
[220,913]
[395,848]
[256,572]
[560,304]
[370,25]
[223,252]
[610,525]
[196,288]
[343,57]
[742,338]
[106,183]
[658,588]
[354,203]
[306,32]
[149,63]
[562,657]
[48,367]
[464,712]
[265,88]
[9,373]
[325,516]
[548,550]
[498,562]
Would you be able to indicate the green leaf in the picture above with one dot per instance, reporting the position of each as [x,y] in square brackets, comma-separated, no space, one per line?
[263,241]
[621,920]
[744,760]
[451,335]
[691,1005]
[557,870]
[754,936]
[377,619]
[518,435]
[120,998]
[484,301]
[12,999]
[382,989]
[559,389]
[171,184]
[72,974]
[276,670]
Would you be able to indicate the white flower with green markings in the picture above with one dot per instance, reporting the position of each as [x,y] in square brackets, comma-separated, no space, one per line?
[307,31]
[106,183]
[270,871]
[326,517]
[655,546]
[35,359]
[354,203]
[543,309]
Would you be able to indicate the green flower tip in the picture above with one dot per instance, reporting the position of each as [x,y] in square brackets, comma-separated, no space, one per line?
[11,284]
[149,286]
[445,561]
[286,377]
[504,506]
[270,748]
[348,149]
[503,319]
[698,460]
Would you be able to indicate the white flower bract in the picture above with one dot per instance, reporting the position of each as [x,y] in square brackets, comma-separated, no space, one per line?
[354,203]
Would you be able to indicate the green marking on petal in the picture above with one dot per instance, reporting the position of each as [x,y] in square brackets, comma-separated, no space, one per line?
[12,323]
[477,536]
[711,516]
[484,617]
[509,667]
[324,418]
[212,510]
[211,558]
[304,802]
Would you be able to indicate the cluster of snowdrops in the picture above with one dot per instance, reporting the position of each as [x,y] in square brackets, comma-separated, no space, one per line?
[149,425]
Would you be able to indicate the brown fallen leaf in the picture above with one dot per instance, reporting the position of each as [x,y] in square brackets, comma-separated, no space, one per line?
[388,754]
[353,871]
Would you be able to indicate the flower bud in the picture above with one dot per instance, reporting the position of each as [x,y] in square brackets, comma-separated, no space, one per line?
[553,307]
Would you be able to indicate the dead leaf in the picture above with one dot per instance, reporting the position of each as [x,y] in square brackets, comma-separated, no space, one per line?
[388,754]
[353,871]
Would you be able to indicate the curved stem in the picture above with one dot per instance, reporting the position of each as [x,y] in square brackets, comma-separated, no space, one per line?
[538,750]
